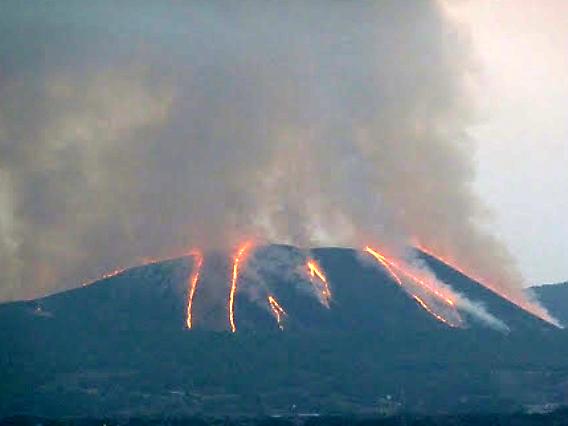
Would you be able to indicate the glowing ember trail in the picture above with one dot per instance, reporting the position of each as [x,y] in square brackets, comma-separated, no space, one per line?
[431,312]
[194,279]
[523,304]
[105,276]
[404,271]
[277,310]
[315,271]
[113,273]
[389,265]
[144,262]
[383,262]
[235,277]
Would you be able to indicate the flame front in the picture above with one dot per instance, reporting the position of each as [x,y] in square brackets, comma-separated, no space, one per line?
[113,273]
[144,262]
[315,271]
[277,310]
[391,265]
[446,298]
[193,281]
[234,279]
[527,306]
[431,312]
[379,257]
[104,276]
[433,296]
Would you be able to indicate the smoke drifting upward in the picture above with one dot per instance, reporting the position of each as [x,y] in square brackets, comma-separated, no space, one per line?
[145,129]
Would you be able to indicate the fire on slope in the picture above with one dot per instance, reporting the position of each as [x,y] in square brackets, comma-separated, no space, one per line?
[193,281]
[319,281]
[421,283]
[526,305]
[237,259]
[277,310]
[144,262]
[192,284]
[114,273]
[436,298]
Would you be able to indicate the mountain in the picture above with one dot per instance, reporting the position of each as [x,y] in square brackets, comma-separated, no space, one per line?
[120,346]
[554,297]
[365,297]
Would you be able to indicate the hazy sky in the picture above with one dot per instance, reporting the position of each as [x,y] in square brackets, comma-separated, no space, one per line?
[522,137]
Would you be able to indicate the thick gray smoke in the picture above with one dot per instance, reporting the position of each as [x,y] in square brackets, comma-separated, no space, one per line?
[131,130]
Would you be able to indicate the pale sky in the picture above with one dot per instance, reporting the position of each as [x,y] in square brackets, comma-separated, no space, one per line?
[522,136]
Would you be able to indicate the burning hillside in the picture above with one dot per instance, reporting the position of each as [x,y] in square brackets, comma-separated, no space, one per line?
[332,142]
[205,324]
[270,283]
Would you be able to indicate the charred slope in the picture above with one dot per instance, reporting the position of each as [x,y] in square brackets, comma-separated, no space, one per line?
[517,319]
[120,346]
[154,298]
[554,297]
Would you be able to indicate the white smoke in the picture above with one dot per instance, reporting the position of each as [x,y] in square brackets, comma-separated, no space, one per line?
[479,312]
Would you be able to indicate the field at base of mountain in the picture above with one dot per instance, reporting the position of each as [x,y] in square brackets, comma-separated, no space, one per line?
[557,418]
[226,375]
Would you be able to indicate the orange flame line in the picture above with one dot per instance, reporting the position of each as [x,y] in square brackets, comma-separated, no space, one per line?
[144,261]
[104,276]
[315,271]
[458,268]
[194,279]
[527,306]
[413,277]
[383,261]
[113,273]
[277,310]
[431,312]
[236,261]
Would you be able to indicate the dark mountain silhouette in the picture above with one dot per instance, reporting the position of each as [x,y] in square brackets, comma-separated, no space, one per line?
[120,345]
[154,296]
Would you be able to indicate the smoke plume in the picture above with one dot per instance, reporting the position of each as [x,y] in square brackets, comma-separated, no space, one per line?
[145,129]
